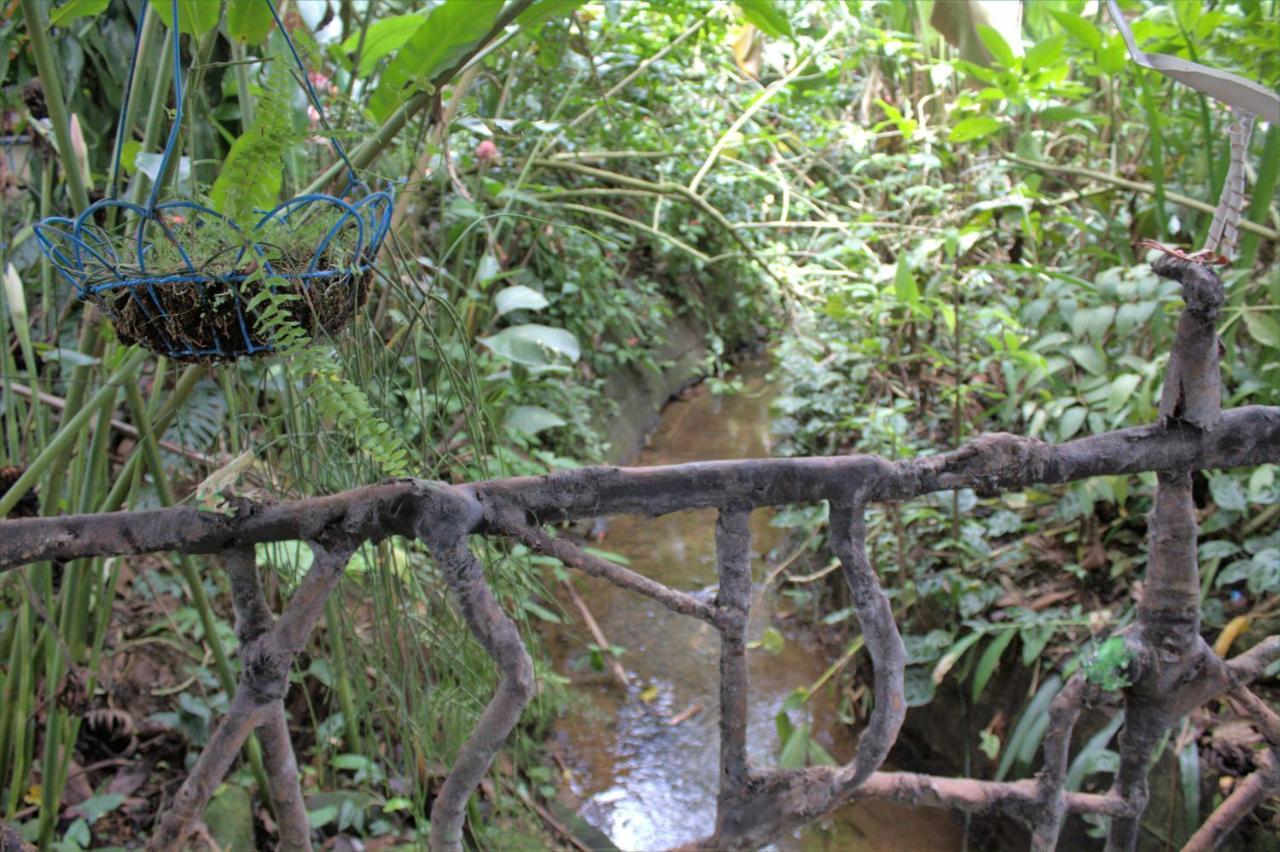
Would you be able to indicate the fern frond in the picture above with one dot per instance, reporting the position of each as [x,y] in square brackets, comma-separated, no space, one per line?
[253,172]
[335,397]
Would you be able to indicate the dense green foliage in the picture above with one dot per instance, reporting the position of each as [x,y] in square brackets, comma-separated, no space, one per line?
[934,247]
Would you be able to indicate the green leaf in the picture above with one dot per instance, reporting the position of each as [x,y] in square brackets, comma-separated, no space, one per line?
[533,345]
[382,38]
[249,21]
[399,803]
[766,16]
[838,616]
[1044,54]
[1034,640]
[1113,56]
[1107,664]
[794,749]
[452,29]
[195,17]
[1122,388]
[539,611]
[1189,781]
[927,647]
[251,177]
[1093,321]
[1092,756]
[1263,328]
[519,298]
[772,641]
[818,756]
[73,9]
[1090,358]
[974,127]
[782,724]
[1227,492]
[997,46]
[1066,113]
[988,744]
[544,10]
[988,662]
[289,559]
[1080,28]
[1038,707]
[918,687]
[352,762]
[953,656]
[1264,573]
[532,419]
[1072,420]
[95,807]
[904,283]
[1260,482]
[322,816]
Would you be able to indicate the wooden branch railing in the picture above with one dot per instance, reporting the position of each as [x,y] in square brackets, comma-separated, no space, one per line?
[1172,670]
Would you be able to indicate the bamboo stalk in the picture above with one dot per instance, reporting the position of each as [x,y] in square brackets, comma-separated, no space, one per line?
[38,27]
[70,430]
[119,425]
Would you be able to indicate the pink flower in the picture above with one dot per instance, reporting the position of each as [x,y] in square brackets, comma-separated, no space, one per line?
[487,152]
[321,81]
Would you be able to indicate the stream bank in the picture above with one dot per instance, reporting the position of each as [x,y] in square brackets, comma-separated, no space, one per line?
[642,763]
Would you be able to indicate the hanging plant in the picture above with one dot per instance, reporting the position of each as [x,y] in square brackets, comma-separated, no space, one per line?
[193,282]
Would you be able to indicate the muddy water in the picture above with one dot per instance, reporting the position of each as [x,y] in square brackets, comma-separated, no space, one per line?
[647,783]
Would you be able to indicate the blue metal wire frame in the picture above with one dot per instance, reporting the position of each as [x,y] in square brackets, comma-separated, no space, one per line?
[114,271]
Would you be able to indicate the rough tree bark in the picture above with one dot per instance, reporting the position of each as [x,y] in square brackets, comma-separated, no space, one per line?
[1173,669]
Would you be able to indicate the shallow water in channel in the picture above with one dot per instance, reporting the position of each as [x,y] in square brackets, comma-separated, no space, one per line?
[648,784]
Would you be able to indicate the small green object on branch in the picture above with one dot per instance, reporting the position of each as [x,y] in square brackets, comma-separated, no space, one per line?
[1107,664]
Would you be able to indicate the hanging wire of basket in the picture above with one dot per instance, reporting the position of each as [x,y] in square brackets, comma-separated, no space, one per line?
[167,286]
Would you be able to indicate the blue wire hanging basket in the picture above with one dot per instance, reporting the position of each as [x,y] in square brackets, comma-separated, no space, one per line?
[186,282]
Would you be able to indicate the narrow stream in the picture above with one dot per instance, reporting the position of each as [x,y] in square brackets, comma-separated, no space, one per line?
[647,783]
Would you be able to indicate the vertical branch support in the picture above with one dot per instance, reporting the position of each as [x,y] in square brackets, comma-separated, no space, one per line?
[445,531]
[884,643]
[253,619]
[286,791]
[733,610]
[1046,825]
[267,653]
[1169,654]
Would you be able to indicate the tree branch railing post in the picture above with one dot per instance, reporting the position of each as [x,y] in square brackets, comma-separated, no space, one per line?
[1172,670]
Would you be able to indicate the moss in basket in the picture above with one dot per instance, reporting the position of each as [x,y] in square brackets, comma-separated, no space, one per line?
[204,315]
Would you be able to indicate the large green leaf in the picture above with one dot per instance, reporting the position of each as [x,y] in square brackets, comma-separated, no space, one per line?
[544,10]
[1262,328]
[974,127]
[904,283]
[382,38]
[249,21]
[195,17]
[1081,28]
[532,419]
[794,749]
[519,298]
[533,345]
[997,46]
[451,30]
[989,660]
[767,17]
[73,9]
[254,179]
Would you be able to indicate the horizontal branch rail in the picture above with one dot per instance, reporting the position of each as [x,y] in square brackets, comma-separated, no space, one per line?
[1246,436]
